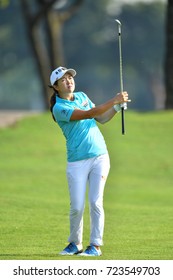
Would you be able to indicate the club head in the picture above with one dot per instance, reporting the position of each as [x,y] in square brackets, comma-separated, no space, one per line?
[118,21]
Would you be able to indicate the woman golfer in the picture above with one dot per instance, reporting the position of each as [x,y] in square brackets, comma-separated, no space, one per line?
[87,155]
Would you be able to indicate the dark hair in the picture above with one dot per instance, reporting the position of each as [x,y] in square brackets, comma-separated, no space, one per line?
[53,101]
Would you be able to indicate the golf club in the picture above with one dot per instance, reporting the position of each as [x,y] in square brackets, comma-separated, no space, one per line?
[123,105]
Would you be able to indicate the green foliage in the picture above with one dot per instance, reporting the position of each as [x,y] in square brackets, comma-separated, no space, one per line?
[34,202]
[4,3]
[20,87]
[90,44]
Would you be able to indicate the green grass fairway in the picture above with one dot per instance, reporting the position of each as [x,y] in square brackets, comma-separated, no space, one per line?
[138,200]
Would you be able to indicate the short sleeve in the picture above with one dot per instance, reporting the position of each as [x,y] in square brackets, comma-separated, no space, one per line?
[62,112]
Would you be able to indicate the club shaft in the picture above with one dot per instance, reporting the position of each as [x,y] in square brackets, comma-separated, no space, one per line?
[121,77]
[121,64]
[122,120]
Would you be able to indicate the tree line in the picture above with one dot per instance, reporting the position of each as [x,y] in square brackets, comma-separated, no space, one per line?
[81,34]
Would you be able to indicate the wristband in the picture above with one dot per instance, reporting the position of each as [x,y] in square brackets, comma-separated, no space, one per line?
[117,108]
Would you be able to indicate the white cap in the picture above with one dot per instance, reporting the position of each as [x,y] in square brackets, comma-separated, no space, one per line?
[59,72]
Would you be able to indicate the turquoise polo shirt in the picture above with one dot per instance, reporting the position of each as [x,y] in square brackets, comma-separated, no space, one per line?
[83,137]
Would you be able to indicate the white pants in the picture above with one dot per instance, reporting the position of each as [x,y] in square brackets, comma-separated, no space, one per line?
[94,171]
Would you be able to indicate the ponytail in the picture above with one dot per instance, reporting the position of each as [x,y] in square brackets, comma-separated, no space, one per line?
[52,102]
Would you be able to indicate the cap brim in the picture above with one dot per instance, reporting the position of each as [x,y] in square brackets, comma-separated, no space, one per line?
[54,78]
[71,71]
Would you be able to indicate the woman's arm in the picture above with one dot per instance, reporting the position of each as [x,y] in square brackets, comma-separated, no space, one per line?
[103,112]
[107,116]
